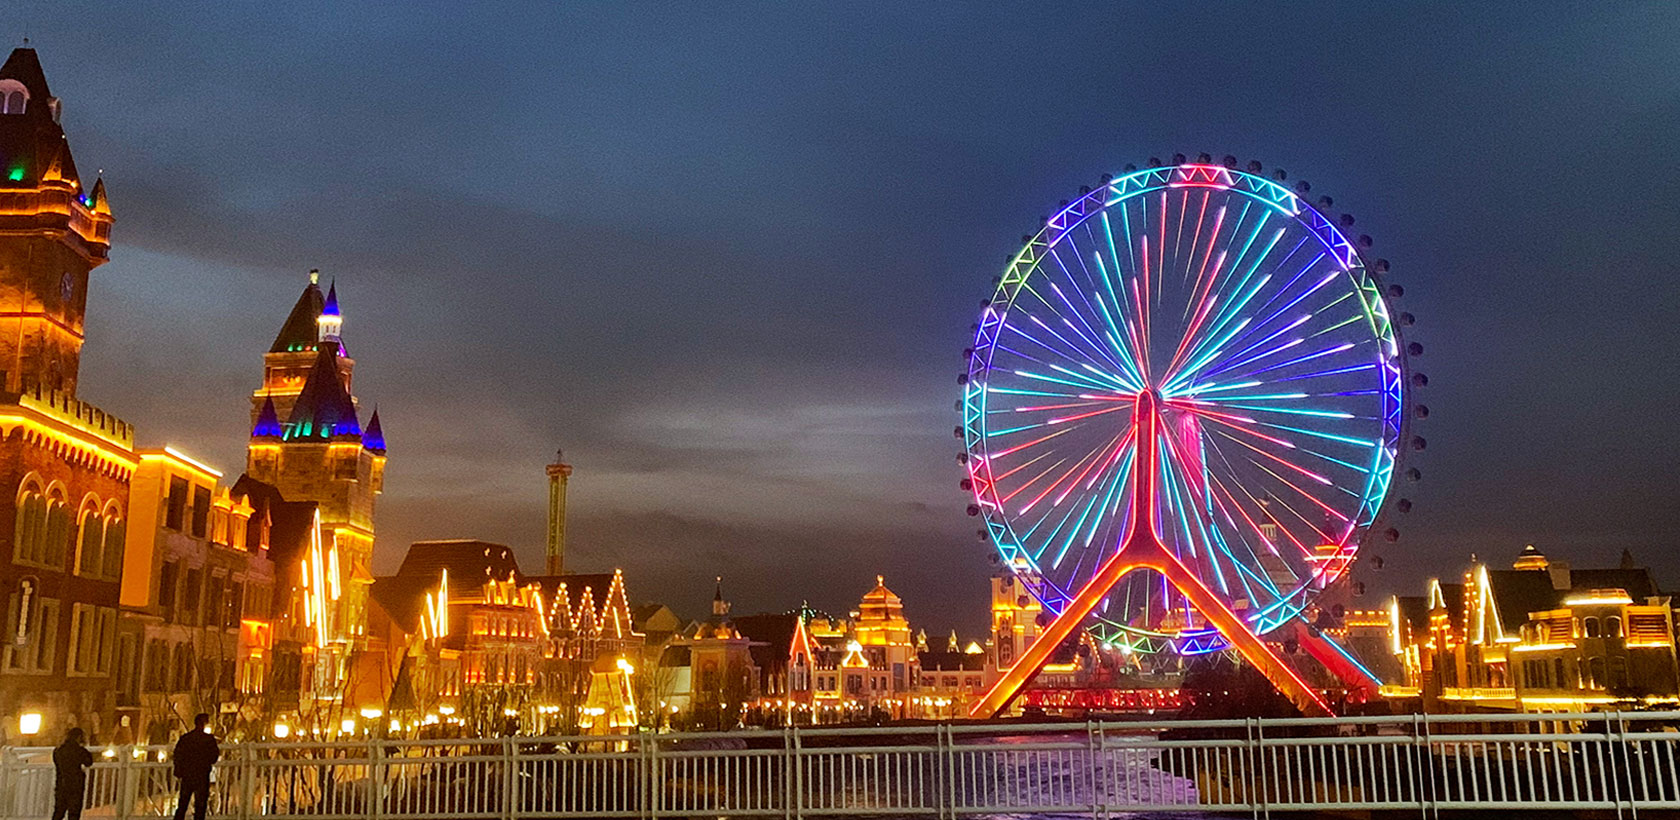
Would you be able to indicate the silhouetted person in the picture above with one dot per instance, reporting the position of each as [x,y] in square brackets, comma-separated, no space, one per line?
[70,760]
[195,754]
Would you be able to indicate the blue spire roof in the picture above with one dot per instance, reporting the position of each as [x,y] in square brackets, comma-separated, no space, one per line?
[268,421]
[324,409]
[331,307]
[374,438]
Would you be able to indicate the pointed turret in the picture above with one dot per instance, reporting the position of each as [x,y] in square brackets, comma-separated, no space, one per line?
[330,324]
[96,198]
[268,422]
[324,409]
[373,438]
[302,328]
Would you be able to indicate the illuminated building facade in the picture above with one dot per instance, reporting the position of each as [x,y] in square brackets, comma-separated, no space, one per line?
[65,465]
[882,632]
[196,596]
[1540,637]
[467,638]
[307,441]
[1016,620]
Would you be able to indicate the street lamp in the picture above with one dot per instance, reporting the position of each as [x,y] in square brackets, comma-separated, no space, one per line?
[29,724]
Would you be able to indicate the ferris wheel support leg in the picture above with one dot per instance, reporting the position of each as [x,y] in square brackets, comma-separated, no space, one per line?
[1235,630]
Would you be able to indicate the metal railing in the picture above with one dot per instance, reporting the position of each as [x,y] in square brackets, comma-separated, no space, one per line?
[1624,763]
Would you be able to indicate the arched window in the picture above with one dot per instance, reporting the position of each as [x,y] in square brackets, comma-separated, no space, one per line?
[115,534]
[29,534]
[1613,626]
[1595,672]
[92,551]
[59,530]
[1589,626]
[14,98]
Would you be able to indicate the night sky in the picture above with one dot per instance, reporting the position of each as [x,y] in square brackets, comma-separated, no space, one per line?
[728,255]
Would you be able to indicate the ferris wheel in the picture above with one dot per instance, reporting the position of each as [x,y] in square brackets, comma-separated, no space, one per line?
[1183,412]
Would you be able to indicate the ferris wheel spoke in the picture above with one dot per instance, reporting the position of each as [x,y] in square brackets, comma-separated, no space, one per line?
[1087,461]
[1078,354]
[1237,360]
[1100,349]
[1241,293]
[1019,488]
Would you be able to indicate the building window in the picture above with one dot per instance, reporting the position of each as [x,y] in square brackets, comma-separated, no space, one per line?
[1595,673]
[29,536]
[116,532]
[14,98]
[1589,627]
[92,551]
[58,530]
[1618,673]
[193,588]
[167,578]
[1613,626]
[1557,674]
[176,518]
[213,614]
[201,512]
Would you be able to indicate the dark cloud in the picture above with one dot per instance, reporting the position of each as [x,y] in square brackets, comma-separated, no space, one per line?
[727,257]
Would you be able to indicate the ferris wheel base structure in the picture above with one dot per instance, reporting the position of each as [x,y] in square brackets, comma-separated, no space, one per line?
[1141,548]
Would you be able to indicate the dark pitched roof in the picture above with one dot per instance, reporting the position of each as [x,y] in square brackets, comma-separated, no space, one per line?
[374,437]
[1637,582]
[268,421]
[469,561]
[948,661]
[33,141]
[400,597]
[771,634]
[1415,610]
[1518,592]
[1453,596]
[324,409]
[301,330]
[289,521]
[24,65]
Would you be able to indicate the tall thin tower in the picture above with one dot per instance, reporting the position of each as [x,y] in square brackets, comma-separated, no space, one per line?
[558,474]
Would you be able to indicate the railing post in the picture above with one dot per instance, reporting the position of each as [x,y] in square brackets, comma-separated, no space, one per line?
[947,787]
[123,798]
[1621,757]
[510,779]
[376,777]
[248,777]
[649,777]
[1093,747]
[1424,768]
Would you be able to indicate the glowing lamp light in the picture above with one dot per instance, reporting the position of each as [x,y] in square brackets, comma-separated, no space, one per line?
[16,176]
[282,731]
[347,726]
[29,723]
[396,725]
[625,667]
[446,710]
[371,712]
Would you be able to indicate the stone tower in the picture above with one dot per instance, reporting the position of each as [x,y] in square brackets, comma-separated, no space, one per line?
[55,231]
[308,442]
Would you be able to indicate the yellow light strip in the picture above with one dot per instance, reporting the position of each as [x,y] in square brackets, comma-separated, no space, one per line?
[170,449]
[1542,647]
[69,437]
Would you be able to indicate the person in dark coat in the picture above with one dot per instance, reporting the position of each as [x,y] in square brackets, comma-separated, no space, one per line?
[195,754]
[70,760]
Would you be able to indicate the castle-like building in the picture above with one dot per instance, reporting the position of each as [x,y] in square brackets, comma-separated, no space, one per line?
[308,443]
[65,465]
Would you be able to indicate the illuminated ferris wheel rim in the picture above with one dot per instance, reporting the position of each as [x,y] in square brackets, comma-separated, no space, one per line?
[1391,365]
